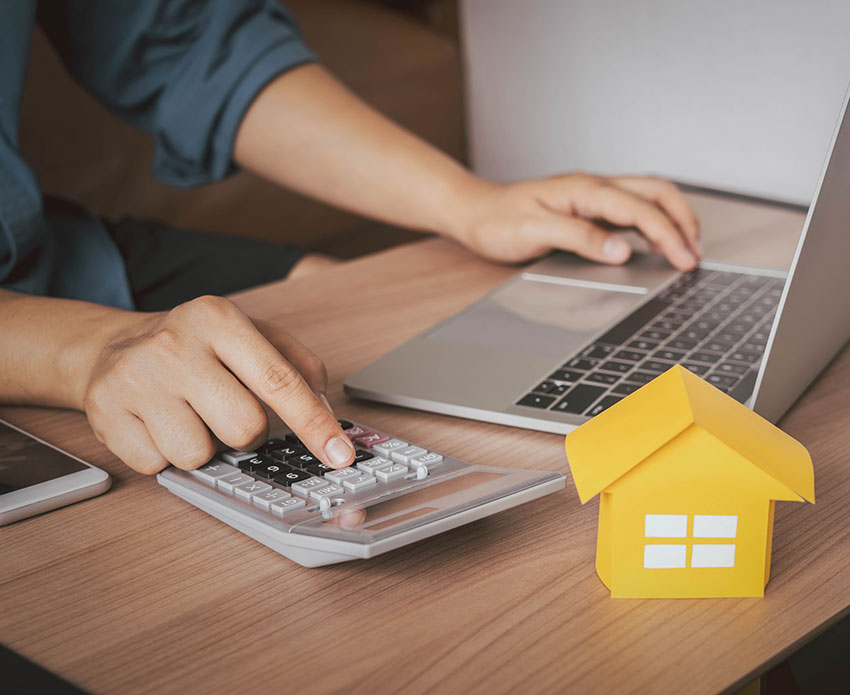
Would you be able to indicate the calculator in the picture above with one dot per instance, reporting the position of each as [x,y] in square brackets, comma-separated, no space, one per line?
[394,493]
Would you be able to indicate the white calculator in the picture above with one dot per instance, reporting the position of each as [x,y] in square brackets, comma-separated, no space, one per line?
[393,494]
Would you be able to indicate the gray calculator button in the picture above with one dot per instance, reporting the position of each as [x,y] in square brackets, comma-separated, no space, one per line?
[327,491]
[341,474]
[248,490]
[358,483]
[284,506]
[231,481]
[269,497]
[305,487]
[428,460]
[404,455]
[234,456]
[397,470]
[386,448]
[374,464]
[213,471]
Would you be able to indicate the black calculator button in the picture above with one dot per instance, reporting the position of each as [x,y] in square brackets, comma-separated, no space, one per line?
[292,439]
[254,463]
[536,400]
[318,469]
[302,460]
[286,451]
[360,455]
[271,470]
[275,443]
[289,477]
[345,424]
[579,398]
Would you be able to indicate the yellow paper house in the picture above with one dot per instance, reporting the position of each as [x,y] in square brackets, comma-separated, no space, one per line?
[687,479]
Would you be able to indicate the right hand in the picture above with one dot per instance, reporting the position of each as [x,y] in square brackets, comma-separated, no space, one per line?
[166,382]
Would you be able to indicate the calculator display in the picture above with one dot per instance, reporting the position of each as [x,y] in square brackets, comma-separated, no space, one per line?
[25,462]
[374,518]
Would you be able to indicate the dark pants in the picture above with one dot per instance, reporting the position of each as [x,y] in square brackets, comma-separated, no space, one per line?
[168,266]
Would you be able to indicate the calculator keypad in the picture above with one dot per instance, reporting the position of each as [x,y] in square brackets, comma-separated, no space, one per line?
[282,476]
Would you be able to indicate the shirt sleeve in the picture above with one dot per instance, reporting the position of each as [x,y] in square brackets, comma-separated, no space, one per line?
[184,70]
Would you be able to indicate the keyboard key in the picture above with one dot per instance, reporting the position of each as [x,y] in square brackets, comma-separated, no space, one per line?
[634,322]
[292,504]
[721,380]
[614,366]
[536,400]
[319,469]
[338,476]
[284,452]
[397,470]
[265,499]
[698,369]
[302,460]
[328,491]
[369,440]
[604,404]
[625,389]
[428,460]
[655,366]
[705,357]
[213,471]
[641,344]
[603,378]
[642,377]
[248,490]
[360,482]
[386,448]
[581,363]
[545,387]
[671,326]
[731,369]
[670,355]
[289,477]
[654,335]
[680,344]
[598,351]
[630,355]
[305,487]
[271,470]
[579,398]
[374,464]
[228,483]
[234,456]
[567,375]
[360,456]
[254,463]
[715,345]
[404,455]
[744,356]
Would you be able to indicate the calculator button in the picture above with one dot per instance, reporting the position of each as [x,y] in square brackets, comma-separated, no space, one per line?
[338,476]
[319,469]
[248,490]
[234,456]
[271,470]
[345,424]
[305,487]
[267,498]
[357,431]
[397,470]
[285,451]
[213,471]
[360,455]
[302,460]
[289,477]
[369,440]
[326,491]
[428,460]
[292,438]
[285,506]
[374,464]
[386,448]
[358,483]
[274,443]
[404,455]
[227,484]
[254,463]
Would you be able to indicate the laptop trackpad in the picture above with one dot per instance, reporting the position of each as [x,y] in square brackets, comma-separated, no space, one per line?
[538,317]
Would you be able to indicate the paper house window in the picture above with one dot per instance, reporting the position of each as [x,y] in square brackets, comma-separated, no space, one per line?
[675,555]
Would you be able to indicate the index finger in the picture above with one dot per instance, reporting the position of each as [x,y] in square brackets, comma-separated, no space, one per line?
[258,365]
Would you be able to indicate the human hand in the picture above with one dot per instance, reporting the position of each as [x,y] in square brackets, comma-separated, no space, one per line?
[520,221]
[165,383]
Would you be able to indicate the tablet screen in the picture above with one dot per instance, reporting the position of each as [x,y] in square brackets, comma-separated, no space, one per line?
[25,462]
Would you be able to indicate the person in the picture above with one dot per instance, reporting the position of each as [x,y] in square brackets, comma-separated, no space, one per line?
[223,84]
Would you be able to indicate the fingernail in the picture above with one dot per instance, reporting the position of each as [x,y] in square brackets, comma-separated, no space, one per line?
[324,399]
[615,249]
[339,451]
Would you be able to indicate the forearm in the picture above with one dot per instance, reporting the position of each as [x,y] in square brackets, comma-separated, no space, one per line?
[309,133]
[48,346]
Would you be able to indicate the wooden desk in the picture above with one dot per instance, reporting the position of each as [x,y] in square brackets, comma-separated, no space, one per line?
[137,591]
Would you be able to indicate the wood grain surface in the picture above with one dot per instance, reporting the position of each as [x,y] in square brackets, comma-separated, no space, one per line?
[139,592]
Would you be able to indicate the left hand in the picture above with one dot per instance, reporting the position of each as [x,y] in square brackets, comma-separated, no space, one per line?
[520,221]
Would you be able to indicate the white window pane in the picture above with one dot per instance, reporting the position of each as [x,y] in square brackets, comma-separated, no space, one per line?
[664,556]
[713,556]
[666,526]
[715,526]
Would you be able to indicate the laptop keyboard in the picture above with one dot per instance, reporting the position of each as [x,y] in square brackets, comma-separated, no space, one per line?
[713,323]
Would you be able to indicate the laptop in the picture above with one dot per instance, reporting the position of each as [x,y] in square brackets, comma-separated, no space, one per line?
[565,338]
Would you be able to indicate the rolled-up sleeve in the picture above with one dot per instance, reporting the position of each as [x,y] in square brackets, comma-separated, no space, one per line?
[184,70]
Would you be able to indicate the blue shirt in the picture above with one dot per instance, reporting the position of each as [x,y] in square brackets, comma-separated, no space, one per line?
[183,70]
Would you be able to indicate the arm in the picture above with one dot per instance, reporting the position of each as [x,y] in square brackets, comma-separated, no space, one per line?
[308,132]
[156,387]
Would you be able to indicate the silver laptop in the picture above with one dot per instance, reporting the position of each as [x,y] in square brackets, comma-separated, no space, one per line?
[565,338]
